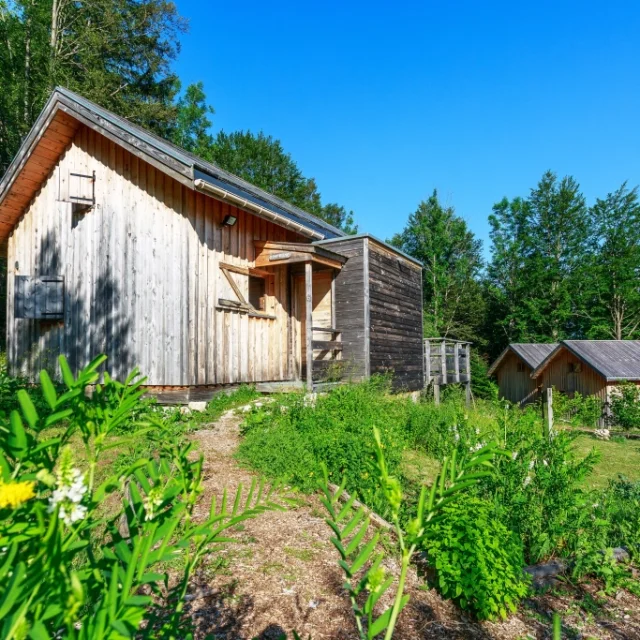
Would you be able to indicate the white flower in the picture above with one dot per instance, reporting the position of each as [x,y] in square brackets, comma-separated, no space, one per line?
[527,481]
[69,493]
[545,463]
[596,505]
[456,436]
[477,431]
[532,463]
[514,455]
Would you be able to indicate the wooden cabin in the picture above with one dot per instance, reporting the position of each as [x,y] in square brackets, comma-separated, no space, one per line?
[513,367]
[119,242]
[588,367]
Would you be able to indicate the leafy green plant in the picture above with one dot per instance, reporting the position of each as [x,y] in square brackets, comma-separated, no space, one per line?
[87,559]
[538,491]
[359,558]
[625,405]
[478,562]
[577,410]
[291,438]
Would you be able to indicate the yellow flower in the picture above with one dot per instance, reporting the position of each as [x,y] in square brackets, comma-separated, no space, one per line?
[15,493]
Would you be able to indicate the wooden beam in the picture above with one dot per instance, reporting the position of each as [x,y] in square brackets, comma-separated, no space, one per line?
[443,361]
[456,361]
[467,348]
[308,309]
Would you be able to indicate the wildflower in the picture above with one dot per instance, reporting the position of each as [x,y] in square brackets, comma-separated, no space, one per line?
[477,431]
[527,481]
[456,436]
[152,501]
[13,494]
[545,463]
[69,491]
[514,455]
[477,446]
[532,463]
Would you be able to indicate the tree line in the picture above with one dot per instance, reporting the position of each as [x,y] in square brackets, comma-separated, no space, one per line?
[558,268]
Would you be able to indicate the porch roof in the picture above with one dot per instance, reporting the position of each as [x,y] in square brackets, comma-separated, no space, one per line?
[271,254]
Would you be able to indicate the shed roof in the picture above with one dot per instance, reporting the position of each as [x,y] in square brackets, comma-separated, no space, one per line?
[531,353]
[65,110]
[614,360]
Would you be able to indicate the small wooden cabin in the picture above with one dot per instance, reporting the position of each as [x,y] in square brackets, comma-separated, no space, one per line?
[513,367]
[119,242]
[588,367]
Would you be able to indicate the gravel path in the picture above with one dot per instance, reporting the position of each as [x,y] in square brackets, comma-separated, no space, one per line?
[282,575]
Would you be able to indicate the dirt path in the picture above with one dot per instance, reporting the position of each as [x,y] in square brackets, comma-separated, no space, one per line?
[283,575]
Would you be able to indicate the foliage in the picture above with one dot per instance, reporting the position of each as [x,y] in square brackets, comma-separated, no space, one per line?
[578,410]
[364,561]
[621,502]
[451,259]
[115,52]
[538,492]
[537,247]
[292,438]
[610,296]
[625,405]
[73,562]
[479,563]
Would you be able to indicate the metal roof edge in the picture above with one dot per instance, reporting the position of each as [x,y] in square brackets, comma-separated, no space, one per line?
[194,163]
[359,236]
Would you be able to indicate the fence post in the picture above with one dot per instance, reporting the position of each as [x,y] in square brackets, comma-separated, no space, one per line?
[427,363]
[467,364]
[547,413]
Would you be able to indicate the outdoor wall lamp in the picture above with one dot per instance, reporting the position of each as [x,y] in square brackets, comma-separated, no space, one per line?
[229,220]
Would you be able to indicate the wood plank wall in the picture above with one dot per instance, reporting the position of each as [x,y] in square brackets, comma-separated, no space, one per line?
[350,307]
[516,386]
[395,300]
[142,277]
[586,382]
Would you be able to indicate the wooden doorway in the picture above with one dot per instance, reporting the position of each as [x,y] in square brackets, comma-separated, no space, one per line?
[322,313]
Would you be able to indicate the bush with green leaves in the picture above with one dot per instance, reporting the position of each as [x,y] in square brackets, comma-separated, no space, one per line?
[292,438]
[360,558]
[87,559]
[538,491]
[625,405]
[577,410]
[477,561]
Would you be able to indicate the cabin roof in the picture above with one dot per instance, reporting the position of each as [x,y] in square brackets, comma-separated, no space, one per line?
[531,353]
[56,126]
[614,360]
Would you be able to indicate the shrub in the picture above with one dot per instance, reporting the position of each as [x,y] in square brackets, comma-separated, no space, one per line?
[625,405]
[290,439]
[86,559]
[478,562]
[578,410]
[538,491]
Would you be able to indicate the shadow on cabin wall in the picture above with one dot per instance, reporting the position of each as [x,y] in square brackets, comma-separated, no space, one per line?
[93,324]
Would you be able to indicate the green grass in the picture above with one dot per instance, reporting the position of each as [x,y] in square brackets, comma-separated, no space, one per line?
[616,458]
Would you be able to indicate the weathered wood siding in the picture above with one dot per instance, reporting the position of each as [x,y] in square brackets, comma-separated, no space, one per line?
[351,291]
[395,316]
[516,386]
[142,276]
[586,382]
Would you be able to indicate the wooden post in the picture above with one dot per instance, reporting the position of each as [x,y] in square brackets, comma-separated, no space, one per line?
[436,392]
[456,362]
[308,309]
[547,410]
[467,364]
[443,360]
[427,363]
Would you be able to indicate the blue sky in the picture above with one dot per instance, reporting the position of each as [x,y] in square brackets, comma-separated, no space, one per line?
[383,102]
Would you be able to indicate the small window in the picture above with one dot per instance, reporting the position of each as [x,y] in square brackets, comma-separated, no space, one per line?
[257,293]
[520,367]
[575,367]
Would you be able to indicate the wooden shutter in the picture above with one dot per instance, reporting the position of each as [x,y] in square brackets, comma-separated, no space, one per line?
[39,297]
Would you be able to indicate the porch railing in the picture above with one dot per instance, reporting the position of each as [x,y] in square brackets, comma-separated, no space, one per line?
[326,343]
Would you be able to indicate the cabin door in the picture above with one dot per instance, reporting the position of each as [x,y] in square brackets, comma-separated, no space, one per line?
[321,314]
